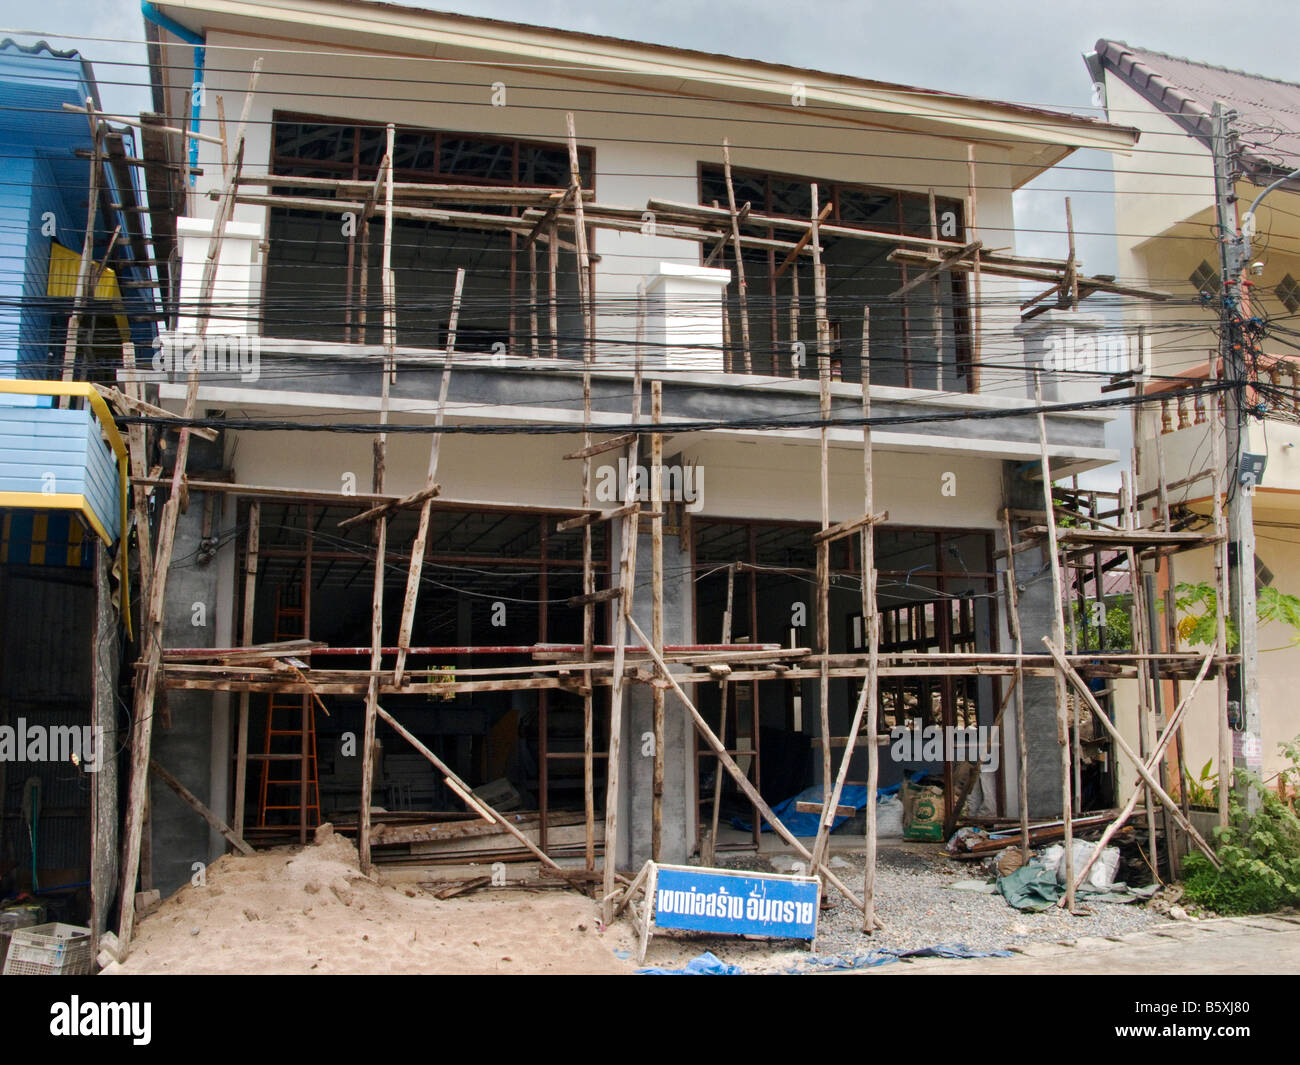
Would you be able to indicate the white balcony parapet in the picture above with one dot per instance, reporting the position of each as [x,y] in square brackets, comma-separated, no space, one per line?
[684,316]
[233,306]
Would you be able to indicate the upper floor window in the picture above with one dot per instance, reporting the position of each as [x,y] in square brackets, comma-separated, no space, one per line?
[918,340]
[315,267]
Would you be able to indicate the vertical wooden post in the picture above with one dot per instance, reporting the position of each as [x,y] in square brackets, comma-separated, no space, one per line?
[1022,744]
[81,293]
[151,634]
[823,546]
[1138,627]
[533,337]
[742,288]
[794,319]
[588,577]
[381,526]
[1071,288]
[246,638]
[972,228]
[709,851]
[657,604]
[618,688]
[936,289]
[1058,636]
[871,620]
[552,263]
[431,477]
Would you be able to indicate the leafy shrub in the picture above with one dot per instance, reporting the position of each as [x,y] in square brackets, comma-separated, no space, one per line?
[1260,856]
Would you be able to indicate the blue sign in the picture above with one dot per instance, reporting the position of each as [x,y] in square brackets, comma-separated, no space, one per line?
[740,903]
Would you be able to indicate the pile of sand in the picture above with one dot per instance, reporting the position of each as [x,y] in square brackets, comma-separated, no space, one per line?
[310,910]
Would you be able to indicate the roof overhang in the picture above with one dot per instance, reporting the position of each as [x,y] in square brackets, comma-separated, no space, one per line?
[1034,138]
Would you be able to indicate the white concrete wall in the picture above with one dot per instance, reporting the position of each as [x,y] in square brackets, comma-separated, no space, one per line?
[741,479]
[645,145]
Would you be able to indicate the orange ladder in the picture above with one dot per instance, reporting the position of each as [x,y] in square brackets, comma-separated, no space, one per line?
[289,746]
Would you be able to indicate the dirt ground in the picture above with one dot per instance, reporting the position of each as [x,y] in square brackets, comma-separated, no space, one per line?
[311,911]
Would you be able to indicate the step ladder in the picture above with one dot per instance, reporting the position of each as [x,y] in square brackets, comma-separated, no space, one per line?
[290,779]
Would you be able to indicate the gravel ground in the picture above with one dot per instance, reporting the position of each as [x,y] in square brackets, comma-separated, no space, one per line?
[918,908]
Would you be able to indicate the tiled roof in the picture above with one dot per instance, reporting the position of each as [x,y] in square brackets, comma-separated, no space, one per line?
[1186,90]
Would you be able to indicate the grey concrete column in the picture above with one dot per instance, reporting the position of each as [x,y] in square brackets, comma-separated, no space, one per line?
[180,837]
[1036,610]
[638,767]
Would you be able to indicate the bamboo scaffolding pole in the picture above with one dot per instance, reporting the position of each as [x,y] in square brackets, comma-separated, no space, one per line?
[1152,784]
[1022,740]
[246,638]
[151,635]
[871,621]
[534,341]
[1058,633]
[588,577]
[795,362]
[738,775]
[1175,724]
[867,699]
[711,840]
[627,585]
[657,603]
[381,522]
[1075,608]
[465,794]
[742,288]
[823,546]
[430,486]
[1138,627]
[83,286]
[977,319]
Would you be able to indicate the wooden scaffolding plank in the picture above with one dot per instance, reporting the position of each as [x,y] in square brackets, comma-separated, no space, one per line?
[430,487]
[151,634]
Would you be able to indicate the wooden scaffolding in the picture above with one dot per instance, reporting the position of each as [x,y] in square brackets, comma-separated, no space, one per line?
[560,220]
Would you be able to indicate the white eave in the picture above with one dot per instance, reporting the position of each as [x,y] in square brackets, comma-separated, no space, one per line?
[1036,137]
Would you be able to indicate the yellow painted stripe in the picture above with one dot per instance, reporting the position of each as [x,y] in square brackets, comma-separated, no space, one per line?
[97,404]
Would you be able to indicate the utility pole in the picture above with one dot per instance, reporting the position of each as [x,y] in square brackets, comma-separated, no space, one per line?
[1235,344]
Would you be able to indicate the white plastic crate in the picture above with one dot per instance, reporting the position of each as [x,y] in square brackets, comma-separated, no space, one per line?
[49,950]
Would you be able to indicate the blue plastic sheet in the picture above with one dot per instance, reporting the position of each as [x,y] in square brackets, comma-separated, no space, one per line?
[798,824]
[704,965]
[707,964]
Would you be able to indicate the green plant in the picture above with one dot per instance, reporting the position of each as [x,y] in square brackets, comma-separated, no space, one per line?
[1204,790]
[1119,628]
[1197,604]
[1260,856]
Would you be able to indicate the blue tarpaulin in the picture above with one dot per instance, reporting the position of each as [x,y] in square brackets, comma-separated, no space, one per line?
[854,795]
[704,965]
[708,964]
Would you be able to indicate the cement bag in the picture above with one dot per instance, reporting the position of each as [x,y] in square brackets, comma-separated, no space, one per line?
[1102,874]
[889,818]
[922,812]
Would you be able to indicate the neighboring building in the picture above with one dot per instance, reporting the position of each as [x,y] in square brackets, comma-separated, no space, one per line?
[482,103]
[1166,225]
[62,475]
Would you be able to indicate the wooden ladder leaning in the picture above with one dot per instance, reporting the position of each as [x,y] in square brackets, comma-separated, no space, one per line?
[287,745]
